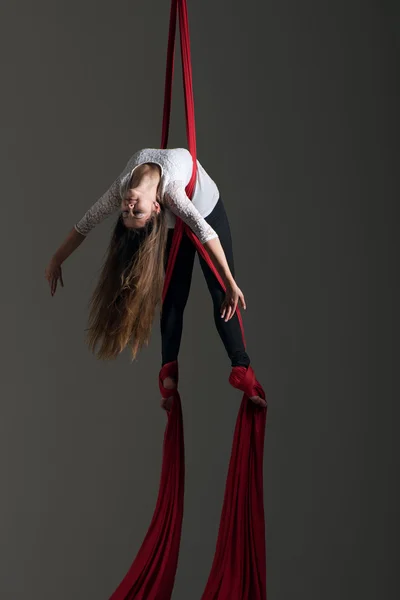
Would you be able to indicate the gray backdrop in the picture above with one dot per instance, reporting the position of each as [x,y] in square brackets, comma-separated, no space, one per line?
[295,106]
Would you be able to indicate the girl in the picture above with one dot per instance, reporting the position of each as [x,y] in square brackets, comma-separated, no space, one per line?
[148,194]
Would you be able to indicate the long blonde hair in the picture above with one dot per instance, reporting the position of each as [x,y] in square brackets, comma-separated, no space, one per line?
[129,289]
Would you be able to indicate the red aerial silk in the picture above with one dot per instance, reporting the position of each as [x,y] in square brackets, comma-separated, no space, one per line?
[238,571]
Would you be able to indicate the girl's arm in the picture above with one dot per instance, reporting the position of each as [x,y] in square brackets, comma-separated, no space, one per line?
[217,255]
[71,243]
[179,203]
[107,204]
[233,293]
[53,271]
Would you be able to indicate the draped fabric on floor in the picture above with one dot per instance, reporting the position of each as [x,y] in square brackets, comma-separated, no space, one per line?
[238,571]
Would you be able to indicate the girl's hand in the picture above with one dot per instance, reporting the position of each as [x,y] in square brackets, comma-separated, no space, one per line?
[232,297]
[53,273]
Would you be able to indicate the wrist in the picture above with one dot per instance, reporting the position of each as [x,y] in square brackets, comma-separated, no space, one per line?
[57,259]
[229,281]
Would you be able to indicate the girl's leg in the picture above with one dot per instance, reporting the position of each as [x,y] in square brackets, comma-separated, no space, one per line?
[230,331]
[176,298]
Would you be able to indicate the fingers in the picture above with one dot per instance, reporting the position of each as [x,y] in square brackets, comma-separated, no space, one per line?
[230,312]
[54,283]
[228,309]
[223,309]
[230,304]
[53,278]
[234,308]
[228,315]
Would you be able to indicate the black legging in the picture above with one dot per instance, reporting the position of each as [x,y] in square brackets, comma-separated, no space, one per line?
[178,292]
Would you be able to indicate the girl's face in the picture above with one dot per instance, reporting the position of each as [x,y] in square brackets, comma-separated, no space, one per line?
[138,206]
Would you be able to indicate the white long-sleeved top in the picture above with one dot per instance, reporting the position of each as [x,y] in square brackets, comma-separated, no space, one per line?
[176,170]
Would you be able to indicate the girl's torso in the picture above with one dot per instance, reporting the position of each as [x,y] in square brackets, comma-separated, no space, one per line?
[176,165]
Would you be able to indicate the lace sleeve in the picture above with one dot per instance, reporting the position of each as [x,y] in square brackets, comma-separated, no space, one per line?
[108,203]
[178,202]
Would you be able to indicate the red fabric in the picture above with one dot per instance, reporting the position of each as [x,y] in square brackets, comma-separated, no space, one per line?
[239,568]
[152,573]
[238,571]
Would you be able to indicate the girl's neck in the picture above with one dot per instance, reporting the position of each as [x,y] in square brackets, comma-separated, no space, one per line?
[146,175]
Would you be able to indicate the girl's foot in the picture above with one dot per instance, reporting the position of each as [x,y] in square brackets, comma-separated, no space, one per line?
[258,400]
[170,384]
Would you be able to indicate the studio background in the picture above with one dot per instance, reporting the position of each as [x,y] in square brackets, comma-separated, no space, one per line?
[296,122]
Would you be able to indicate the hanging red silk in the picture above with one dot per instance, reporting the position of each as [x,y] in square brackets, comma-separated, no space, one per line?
[238,571]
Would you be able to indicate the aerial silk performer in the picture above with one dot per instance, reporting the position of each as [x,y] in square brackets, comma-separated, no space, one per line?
[170,209]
